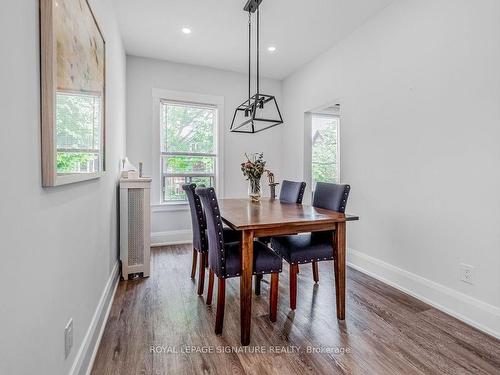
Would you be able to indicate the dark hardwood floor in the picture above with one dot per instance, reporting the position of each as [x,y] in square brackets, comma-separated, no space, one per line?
[385,331]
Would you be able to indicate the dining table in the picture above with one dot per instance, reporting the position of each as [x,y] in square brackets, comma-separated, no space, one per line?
[270,217]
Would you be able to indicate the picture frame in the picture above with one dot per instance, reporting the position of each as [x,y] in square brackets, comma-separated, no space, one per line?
[73,93]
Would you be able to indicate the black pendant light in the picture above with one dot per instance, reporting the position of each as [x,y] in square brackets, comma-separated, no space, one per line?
[260,111]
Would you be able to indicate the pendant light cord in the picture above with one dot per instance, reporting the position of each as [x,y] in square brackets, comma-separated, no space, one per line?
[249,54]
[258,47]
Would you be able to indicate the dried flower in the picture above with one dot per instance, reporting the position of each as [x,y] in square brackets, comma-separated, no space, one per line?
[253,170]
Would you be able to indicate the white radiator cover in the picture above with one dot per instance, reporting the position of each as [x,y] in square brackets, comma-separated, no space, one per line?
[135,226]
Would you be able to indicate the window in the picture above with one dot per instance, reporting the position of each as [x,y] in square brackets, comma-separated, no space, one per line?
[324,148]
[188,136]
[78,133]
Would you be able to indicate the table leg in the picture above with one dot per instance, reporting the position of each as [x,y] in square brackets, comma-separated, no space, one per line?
[339,264]
[246,285]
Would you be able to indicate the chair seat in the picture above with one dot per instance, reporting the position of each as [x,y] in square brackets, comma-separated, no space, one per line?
[304,248]
[264,260]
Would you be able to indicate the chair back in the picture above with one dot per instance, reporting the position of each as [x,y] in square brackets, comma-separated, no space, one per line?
[331,196]
[292,191]
[215,232]
[197,218]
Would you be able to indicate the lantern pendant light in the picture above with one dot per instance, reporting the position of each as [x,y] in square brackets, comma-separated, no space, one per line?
[260,111]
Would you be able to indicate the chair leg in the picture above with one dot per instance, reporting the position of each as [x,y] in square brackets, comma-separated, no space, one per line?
[315,272]
[210,287]
[221,300]
[193,267]
[293,286]
[258,279]
[273,298]
[201,274]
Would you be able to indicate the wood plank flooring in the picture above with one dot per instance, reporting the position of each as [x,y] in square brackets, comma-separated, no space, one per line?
[385,331]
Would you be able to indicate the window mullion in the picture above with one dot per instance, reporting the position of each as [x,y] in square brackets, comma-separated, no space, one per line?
[189,154]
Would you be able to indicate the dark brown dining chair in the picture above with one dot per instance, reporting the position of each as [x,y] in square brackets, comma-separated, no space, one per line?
[224,259]
[312,247]
[200,242]
[291,192]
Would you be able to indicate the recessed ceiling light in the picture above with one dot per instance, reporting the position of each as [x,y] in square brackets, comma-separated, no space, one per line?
[271,49]
[186,30]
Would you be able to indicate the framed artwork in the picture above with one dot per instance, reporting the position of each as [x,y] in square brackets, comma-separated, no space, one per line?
[73,92]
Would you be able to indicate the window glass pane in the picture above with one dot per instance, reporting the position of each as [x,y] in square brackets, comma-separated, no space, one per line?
[188,164]
[173,186]
[78,132]
[188,128]
[324,149]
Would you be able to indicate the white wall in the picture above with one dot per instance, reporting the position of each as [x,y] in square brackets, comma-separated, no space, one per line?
[145,74]
[58,245]
[419,86]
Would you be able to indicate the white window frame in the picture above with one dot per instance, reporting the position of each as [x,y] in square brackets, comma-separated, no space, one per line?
[308,116]
[162,95]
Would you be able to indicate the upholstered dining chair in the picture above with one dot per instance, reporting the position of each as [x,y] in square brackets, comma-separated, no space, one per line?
[312,247]
[291,192]
[200,242]
[224,259]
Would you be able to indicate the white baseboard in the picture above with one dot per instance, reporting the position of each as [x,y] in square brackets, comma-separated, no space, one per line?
[172,237]
[88,349]
[476,313]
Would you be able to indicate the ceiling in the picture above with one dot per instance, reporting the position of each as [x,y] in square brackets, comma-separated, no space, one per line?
[300,30]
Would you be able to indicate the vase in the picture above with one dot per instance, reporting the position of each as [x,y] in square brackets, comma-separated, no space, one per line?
[254,189]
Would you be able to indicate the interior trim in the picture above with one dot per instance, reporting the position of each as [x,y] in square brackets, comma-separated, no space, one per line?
[171,237]
[474,312]
[84,359]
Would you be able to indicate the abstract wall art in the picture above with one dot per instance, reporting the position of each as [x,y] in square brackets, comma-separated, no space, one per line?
[73,71]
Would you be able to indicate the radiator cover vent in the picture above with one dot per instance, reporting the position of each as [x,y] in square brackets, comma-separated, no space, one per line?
[135,226]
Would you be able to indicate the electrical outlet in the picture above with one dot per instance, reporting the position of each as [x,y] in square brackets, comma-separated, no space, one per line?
[68,338]
[467,273]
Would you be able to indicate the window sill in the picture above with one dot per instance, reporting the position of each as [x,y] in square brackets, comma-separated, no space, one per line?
[170,207]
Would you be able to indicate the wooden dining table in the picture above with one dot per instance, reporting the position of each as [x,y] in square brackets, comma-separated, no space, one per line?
[270,217]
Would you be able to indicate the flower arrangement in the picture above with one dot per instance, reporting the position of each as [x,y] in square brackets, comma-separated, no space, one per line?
[253,171]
